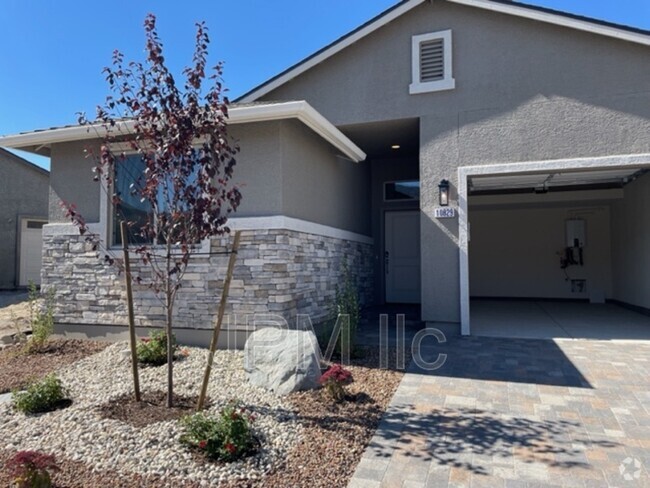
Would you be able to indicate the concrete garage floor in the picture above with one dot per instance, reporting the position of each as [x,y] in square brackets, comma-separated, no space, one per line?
[530,319]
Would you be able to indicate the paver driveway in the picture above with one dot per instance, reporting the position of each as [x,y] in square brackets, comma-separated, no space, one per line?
[517,412]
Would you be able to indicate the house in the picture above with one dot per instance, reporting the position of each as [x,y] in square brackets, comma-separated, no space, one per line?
[23,212]
[382,148]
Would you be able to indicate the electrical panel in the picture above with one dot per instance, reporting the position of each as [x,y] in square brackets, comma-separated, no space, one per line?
[576,233]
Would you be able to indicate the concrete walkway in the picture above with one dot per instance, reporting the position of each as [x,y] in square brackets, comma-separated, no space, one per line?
[517,413]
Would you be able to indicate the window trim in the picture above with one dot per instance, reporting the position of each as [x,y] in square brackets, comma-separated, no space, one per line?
[448,82]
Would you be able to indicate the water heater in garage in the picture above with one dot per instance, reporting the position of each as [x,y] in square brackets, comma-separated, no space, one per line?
[576,234]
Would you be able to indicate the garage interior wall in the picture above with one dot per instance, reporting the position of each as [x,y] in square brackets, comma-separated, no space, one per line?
[514,250]
[631,244]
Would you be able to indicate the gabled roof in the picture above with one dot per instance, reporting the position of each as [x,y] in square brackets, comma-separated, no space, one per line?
[39,141]
[541,14]
[28,164]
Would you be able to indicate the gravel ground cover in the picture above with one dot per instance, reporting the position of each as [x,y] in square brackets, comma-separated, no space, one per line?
[18,369]
[14,313]
[79,432]
[308,441]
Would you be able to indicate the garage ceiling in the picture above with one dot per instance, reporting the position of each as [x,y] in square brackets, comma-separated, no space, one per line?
[543,182]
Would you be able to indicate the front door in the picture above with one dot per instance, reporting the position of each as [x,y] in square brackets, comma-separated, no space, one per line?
[402,257]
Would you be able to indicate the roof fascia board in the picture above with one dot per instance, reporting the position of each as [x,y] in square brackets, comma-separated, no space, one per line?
[300,110]
[550,18]
[334,48]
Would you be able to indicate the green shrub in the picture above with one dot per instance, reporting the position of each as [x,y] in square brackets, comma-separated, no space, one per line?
[152,350]
[41,396]
[41,317]
[346,303]
[31,469]
[227,437]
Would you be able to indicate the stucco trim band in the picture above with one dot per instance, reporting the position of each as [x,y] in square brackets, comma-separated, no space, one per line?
[240,223]
[557,165]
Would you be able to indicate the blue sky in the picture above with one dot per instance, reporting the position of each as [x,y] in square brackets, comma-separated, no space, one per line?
[52,51]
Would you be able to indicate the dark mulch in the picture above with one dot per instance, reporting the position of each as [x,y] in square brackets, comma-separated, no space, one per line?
[151,409]
[336,434]
[18,368]
[75,474]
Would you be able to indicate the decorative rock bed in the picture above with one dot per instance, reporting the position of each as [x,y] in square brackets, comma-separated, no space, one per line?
[81,434]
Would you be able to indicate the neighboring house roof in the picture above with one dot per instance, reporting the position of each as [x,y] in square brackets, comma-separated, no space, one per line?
[24,162]
[38,140]
[532,12]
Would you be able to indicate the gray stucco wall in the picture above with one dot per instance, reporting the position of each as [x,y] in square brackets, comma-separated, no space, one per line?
[319,185]
[283,168]
[525,91]
[23,192]
[631,244]
[71,181]
[258,172]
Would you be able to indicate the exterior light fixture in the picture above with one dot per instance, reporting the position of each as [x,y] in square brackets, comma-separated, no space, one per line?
[395,146]
[443,189]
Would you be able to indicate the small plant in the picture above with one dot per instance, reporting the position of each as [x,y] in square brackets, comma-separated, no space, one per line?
[41,317]
[20,337]
[227,437]
[152,350]
[335,379]
[41,396]
[31,469]
[346,304]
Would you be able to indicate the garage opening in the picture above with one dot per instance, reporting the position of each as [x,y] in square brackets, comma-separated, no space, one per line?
[560,254]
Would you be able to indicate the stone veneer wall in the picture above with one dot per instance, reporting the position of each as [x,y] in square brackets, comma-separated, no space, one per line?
[278,272]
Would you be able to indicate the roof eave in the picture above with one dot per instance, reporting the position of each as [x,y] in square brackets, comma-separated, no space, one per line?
[301,110]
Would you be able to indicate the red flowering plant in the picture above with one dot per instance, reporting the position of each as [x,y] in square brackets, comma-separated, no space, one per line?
[31,469]
[226,437]
[334,380]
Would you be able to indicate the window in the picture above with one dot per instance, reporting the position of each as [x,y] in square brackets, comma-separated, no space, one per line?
[35,224]
[431,60]
[395,191]
[132,208]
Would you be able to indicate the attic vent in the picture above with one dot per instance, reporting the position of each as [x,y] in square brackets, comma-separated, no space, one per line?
[432,67]
[432,61]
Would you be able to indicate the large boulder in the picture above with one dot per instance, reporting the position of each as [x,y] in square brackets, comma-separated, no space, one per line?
[282,360]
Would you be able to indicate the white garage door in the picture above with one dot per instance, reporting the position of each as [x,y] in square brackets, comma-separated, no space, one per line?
[31,247]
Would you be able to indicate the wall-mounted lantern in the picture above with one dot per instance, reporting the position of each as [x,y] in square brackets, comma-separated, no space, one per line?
[443,189]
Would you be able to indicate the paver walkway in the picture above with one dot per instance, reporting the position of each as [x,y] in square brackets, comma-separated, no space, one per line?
[517,413]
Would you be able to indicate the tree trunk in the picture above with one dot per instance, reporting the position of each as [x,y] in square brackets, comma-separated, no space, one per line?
[170,346]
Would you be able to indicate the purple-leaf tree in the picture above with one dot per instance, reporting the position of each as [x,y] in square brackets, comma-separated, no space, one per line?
[165,149]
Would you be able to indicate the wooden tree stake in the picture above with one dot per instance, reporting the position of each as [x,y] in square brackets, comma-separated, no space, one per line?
[219,321]
[129,299]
